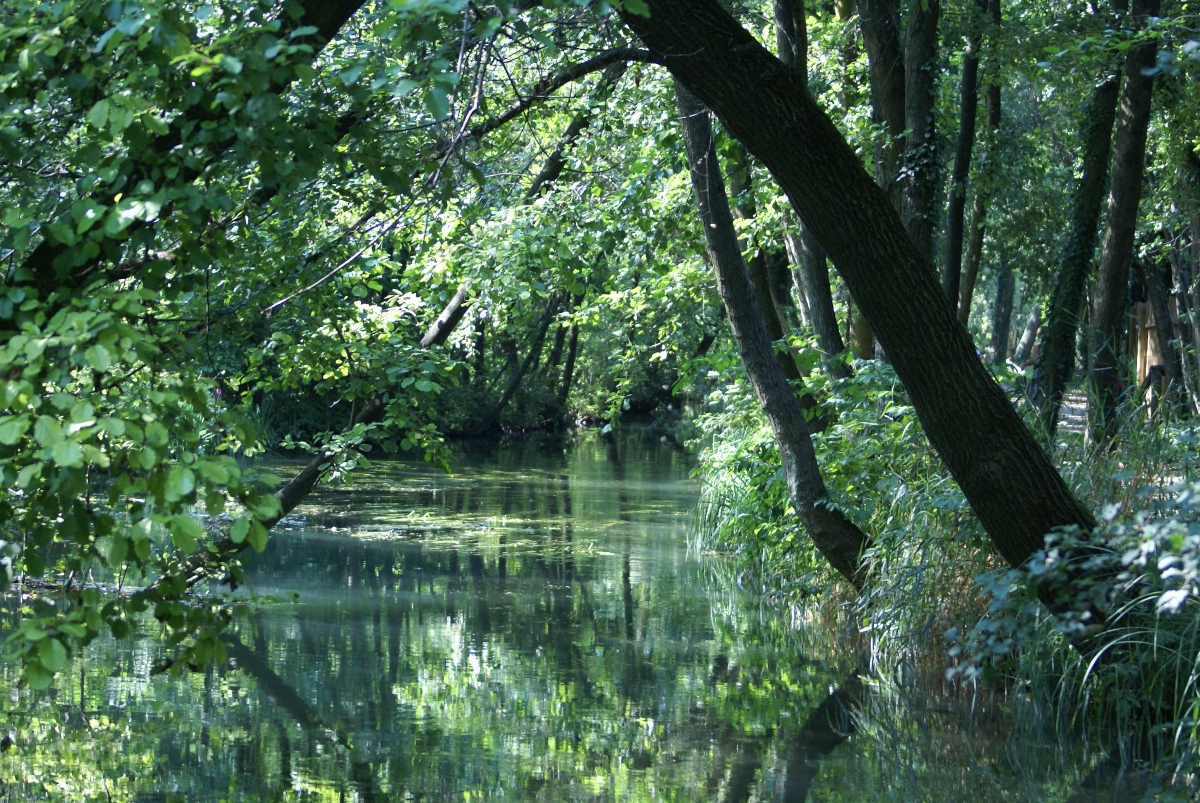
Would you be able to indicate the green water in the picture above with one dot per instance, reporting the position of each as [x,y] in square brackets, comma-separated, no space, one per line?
[531,627]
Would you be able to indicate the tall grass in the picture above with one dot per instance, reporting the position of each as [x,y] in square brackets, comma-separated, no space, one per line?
[942,599]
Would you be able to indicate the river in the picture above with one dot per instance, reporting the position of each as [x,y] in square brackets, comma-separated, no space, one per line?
[532,626]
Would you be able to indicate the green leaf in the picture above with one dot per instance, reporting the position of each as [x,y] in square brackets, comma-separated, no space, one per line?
[258,536]
[98,115]
[237,533]
[47,431]
[438,103]
[185,532]
[118,550]
[99,358]
[68,454]
[37,677]
[52,654]
[12,428]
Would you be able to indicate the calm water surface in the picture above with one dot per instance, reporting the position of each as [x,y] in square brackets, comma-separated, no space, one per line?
[531,627]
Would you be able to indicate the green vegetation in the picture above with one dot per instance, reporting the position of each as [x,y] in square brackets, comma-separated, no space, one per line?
[802,241]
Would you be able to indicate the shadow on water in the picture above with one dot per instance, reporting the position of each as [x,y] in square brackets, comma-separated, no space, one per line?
[531,626]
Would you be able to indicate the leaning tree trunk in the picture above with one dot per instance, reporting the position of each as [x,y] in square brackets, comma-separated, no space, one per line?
[957,206]
[491,419]
[1056,352]
[1116,252]
[1028,337]
[921,162]
[1001,468]
[837,538]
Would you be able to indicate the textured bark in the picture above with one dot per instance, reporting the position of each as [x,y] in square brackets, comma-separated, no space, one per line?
[963,151]
[921,163]
[794,250]
[880,23]
[1116,251]
[1056,352]
[791,35]
[1002,313]
[834,535]
[560,338]
[449,317]
[995,459]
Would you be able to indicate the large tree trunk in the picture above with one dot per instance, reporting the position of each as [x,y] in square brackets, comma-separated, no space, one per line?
[1116,252]
[1002,313]
[995,459]
[1056,352]
[956,209]
[922,167]
[880,23]
[834,535]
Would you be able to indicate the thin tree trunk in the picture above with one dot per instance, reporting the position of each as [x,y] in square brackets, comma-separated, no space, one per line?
[880,23]
[794,252]
[807,253]
[987,173]
[1116,252]
[1056,352]
[814,270]
[922,166]
[1001,468]
[1002,312]
[1028,337]
[842,543]
[492,418]
[564,390]
[560,337]
[1185,317]
[1164,330]
[963,151]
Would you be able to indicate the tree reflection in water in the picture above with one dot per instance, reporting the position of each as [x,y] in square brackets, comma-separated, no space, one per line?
[530,627]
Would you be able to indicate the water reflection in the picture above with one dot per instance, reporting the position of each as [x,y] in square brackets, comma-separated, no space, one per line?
[531,627]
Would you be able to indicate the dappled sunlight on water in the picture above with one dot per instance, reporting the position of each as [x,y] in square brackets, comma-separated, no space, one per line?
[531,626]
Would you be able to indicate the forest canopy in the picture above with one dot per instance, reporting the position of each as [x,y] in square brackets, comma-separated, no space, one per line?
[918,280]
